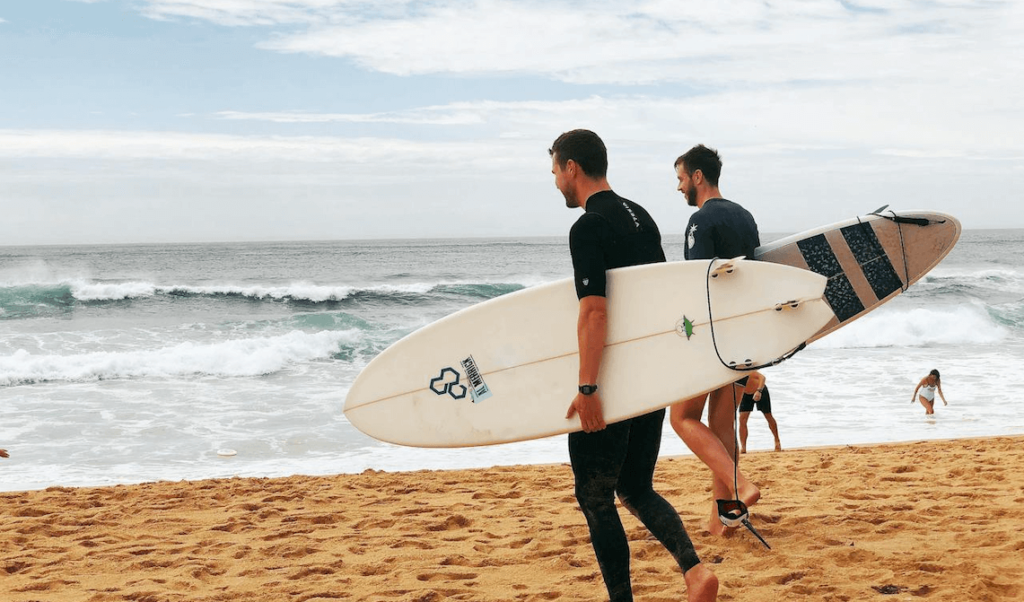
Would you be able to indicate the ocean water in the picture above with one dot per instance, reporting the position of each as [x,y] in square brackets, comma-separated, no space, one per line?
[126,364]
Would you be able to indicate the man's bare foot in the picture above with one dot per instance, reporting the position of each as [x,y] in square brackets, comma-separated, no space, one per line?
[750,494]
[701,584]
[778,445]
[743,450]
[715,526]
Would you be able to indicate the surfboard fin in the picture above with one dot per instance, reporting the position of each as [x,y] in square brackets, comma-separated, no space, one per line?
[791,304]
[727,267]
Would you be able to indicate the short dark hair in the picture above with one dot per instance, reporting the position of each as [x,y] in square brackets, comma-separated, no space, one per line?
[935,373]
[703,158]
[585,148]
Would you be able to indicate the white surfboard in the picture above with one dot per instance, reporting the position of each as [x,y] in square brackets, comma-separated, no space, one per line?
[506,369]
[868,260]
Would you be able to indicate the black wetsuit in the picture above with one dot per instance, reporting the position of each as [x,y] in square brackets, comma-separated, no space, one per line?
[721,229]
[613,233]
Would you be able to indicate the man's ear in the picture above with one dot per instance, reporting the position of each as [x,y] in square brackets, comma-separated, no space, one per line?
[571,168]
[697,176]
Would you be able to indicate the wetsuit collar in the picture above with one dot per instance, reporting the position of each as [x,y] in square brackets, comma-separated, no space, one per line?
[600,197]
[706,201]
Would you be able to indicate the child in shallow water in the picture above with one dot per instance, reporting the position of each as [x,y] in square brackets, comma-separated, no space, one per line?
[927,387]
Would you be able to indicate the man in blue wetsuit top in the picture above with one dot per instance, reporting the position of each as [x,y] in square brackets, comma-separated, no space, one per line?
[720,228]
[617,458]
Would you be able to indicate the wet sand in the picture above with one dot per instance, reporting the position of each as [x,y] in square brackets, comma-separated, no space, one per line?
[935,521]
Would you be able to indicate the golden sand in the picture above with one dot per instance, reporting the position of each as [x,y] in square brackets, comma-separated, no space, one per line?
[931,521]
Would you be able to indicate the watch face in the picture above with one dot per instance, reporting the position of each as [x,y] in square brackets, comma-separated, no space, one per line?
[588,389]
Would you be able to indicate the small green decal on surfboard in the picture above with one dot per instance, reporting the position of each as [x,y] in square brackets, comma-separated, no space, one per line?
[685,327]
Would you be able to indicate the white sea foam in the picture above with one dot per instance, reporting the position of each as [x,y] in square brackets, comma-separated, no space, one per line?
[235,358]
[298,291]
[918,327]
[1005,279]
[94,291]
[84,289]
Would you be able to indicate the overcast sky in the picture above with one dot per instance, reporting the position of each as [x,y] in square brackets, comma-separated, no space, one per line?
[227,120]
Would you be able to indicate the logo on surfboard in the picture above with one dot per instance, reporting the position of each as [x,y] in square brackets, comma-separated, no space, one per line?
[449,382]
[684,327]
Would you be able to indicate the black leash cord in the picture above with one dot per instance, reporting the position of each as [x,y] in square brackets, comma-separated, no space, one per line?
[714,341]
[736,467]
[899,221]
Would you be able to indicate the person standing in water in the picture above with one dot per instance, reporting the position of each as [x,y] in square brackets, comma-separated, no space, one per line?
[756,393]
[927,388]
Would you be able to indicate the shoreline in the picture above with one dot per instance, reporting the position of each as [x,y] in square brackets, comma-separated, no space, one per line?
[664,457]
[934,519]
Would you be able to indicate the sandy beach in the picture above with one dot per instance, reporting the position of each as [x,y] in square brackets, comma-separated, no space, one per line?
[936,520]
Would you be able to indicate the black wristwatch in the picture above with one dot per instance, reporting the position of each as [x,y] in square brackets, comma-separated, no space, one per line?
[588,389]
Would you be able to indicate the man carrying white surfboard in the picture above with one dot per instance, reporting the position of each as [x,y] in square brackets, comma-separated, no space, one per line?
[618,458]
[723,229]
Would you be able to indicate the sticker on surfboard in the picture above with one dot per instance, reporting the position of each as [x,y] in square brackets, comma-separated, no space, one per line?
[480,390]
[449,382]
[684,327]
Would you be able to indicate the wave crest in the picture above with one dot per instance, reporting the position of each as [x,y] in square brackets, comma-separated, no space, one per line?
[920,327]
[236,358]
[28,299]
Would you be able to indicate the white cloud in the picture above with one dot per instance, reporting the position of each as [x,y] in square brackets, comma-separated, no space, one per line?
[134,186]
[726,43]
[915,121]
[146,151]
[921,119]
[124,145]
[234,13]
[821,108]
[425,116]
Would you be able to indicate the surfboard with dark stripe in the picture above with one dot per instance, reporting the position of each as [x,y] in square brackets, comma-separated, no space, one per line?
[868,260]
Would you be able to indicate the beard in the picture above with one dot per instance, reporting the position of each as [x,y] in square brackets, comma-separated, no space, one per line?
[691,195]
[570,200]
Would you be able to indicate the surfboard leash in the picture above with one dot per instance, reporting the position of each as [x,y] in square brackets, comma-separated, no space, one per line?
[899,221]
[902,219]
[745,521]
[714,341]
[903,252]
[736,468]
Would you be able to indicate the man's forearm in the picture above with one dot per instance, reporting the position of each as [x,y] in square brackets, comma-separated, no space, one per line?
[591,329]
